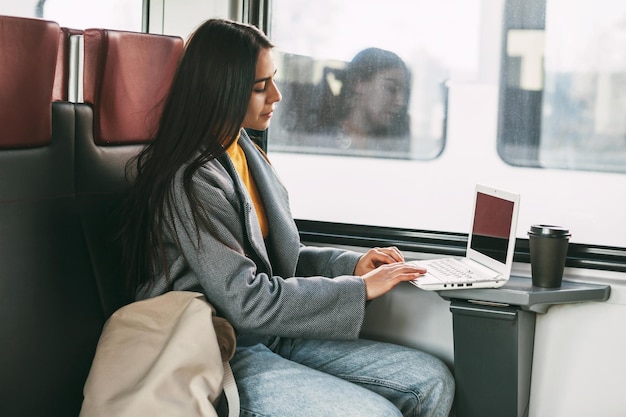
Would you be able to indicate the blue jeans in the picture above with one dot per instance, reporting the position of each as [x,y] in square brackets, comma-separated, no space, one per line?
[359,378]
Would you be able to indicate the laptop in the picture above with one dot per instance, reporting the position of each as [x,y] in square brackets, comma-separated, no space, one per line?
[490,246]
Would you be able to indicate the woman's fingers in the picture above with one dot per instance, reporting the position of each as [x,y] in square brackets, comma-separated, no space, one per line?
[382,279]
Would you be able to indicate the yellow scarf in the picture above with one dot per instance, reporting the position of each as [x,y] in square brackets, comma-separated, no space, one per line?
[241,165]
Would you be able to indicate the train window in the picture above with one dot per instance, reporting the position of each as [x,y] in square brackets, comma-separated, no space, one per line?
[563,86]
[81,14]
[367,78]
[489,102]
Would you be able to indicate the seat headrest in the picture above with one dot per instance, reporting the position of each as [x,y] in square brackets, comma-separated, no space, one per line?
[28,54]
[126,78]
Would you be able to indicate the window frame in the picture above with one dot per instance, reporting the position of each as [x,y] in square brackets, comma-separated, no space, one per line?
[593,257]
[580,255]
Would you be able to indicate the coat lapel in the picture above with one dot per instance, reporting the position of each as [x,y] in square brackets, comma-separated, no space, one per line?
[283,241]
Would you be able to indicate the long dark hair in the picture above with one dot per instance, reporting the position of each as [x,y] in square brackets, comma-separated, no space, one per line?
[202,115]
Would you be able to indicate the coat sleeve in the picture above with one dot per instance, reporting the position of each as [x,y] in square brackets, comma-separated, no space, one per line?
[328,302]
[326,261]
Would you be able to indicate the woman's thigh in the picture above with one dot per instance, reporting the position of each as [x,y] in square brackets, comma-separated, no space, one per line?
[415,382]
[270,385]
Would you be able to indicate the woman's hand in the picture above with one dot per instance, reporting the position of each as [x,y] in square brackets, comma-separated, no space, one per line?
[382,279]
[384,268]
[376,257]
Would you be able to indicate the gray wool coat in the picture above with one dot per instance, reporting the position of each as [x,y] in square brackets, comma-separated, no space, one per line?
[272,287]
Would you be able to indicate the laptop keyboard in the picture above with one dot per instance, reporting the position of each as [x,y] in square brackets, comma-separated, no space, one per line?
[451,269]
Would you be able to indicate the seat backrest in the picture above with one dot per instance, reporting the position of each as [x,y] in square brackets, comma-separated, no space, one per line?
[126,77]
[26,121]
[50,314]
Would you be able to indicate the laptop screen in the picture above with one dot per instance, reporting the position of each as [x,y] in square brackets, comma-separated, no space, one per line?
[493,218]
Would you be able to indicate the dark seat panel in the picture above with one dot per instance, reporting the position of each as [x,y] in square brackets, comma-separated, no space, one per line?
[50,309]
[49,301]
[100,185]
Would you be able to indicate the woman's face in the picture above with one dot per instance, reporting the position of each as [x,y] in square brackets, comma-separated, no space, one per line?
[383,99]
[265,93]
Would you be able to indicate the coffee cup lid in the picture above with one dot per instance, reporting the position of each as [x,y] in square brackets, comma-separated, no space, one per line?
[547,230]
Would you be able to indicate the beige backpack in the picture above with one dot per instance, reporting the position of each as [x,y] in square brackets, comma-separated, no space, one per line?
[163,356]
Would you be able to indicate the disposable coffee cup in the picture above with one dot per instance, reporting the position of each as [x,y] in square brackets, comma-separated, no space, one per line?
[548,251]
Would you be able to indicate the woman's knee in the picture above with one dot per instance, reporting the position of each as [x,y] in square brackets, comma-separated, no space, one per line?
[425,385]
[438,394]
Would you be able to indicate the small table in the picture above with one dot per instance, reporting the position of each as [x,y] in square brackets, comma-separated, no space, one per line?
[494,331]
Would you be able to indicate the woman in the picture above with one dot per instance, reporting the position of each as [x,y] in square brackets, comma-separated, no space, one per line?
[207,213]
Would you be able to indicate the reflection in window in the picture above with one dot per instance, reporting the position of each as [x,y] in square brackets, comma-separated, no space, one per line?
[564,85]
[373,81]
[361,107]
